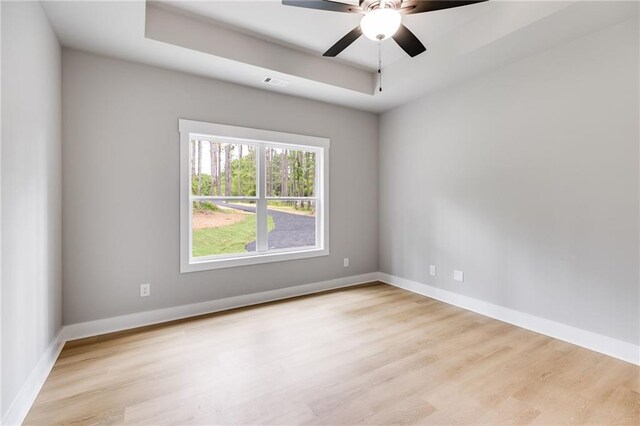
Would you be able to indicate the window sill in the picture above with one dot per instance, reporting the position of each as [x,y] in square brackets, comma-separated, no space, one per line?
[257,259]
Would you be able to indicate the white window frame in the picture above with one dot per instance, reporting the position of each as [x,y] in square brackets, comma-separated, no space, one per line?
[189,129]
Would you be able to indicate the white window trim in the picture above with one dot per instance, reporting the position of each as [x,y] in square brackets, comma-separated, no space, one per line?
[226,133]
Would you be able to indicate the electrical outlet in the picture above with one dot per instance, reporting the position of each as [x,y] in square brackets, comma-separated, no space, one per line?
[432,270]
[458,275]
[346,262]
[145,290]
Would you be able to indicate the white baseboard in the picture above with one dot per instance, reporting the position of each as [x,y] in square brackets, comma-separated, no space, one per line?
[22,403]
[125,322]
[587,339]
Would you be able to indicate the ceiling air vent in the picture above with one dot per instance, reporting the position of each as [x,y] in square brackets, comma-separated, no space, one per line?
[275,82]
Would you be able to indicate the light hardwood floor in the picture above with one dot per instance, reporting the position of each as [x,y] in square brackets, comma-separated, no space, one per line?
[372,354]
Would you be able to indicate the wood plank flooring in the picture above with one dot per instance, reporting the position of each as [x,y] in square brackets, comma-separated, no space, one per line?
[372,354]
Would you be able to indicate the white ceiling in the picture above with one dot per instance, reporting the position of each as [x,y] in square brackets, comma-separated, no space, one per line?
[460,42]
[316,31]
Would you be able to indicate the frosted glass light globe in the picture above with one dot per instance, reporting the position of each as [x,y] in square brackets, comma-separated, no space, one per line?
[380,24]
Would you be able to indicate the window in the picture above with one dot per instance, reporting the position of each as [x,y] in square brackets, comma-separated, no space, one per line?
[250,196]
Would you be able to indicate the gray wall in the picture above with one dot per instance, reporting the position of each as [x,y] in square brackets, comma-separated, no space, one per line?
[526,179]
[121,185]
[31,198]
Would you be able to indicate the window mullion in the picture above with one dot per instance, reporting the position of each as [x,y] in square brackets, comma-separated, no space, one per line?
[261,206]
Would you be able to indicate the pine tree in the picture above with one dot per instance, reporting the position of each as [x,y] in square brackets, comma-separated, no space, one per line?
[239,171]
[219,169]
[227,170]
[212,178]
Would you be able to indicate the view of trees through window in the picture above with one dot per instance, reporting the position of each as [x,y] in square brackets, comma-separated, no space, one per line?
[223,169]
[290,173]
[224,188]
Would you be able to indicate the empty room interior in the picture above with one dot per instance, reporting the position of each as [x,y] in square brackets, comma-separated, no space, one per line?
[314,212]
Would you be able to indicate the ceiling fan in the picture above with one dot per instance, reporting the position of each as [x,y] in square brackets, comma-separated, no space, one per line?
[382,19]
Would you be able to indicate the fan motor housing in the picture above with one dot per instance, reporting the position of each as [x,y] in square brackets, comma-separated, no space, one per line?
[369,5]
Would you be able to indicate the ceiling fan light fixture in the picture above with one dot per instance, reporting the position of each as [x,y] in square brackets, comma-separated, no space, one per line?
[380,24]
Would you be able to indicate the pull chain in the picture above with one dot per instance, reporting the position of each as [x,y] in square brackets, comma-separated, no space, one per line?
[380,63]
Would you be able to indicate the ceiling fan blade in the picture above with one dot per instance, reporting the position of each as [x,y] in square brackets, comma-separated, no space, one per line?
[330,6]
[408,41]
[344,42]
[421,6]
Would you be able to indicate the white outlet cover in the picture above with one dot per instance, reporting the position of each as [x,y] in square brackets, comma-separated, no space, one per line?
[346,262]
[458,275]
[432,270]
[145,290]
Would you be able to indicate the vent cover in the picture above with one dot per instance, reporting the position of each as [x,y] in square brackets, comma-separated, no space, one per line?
[275,82]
